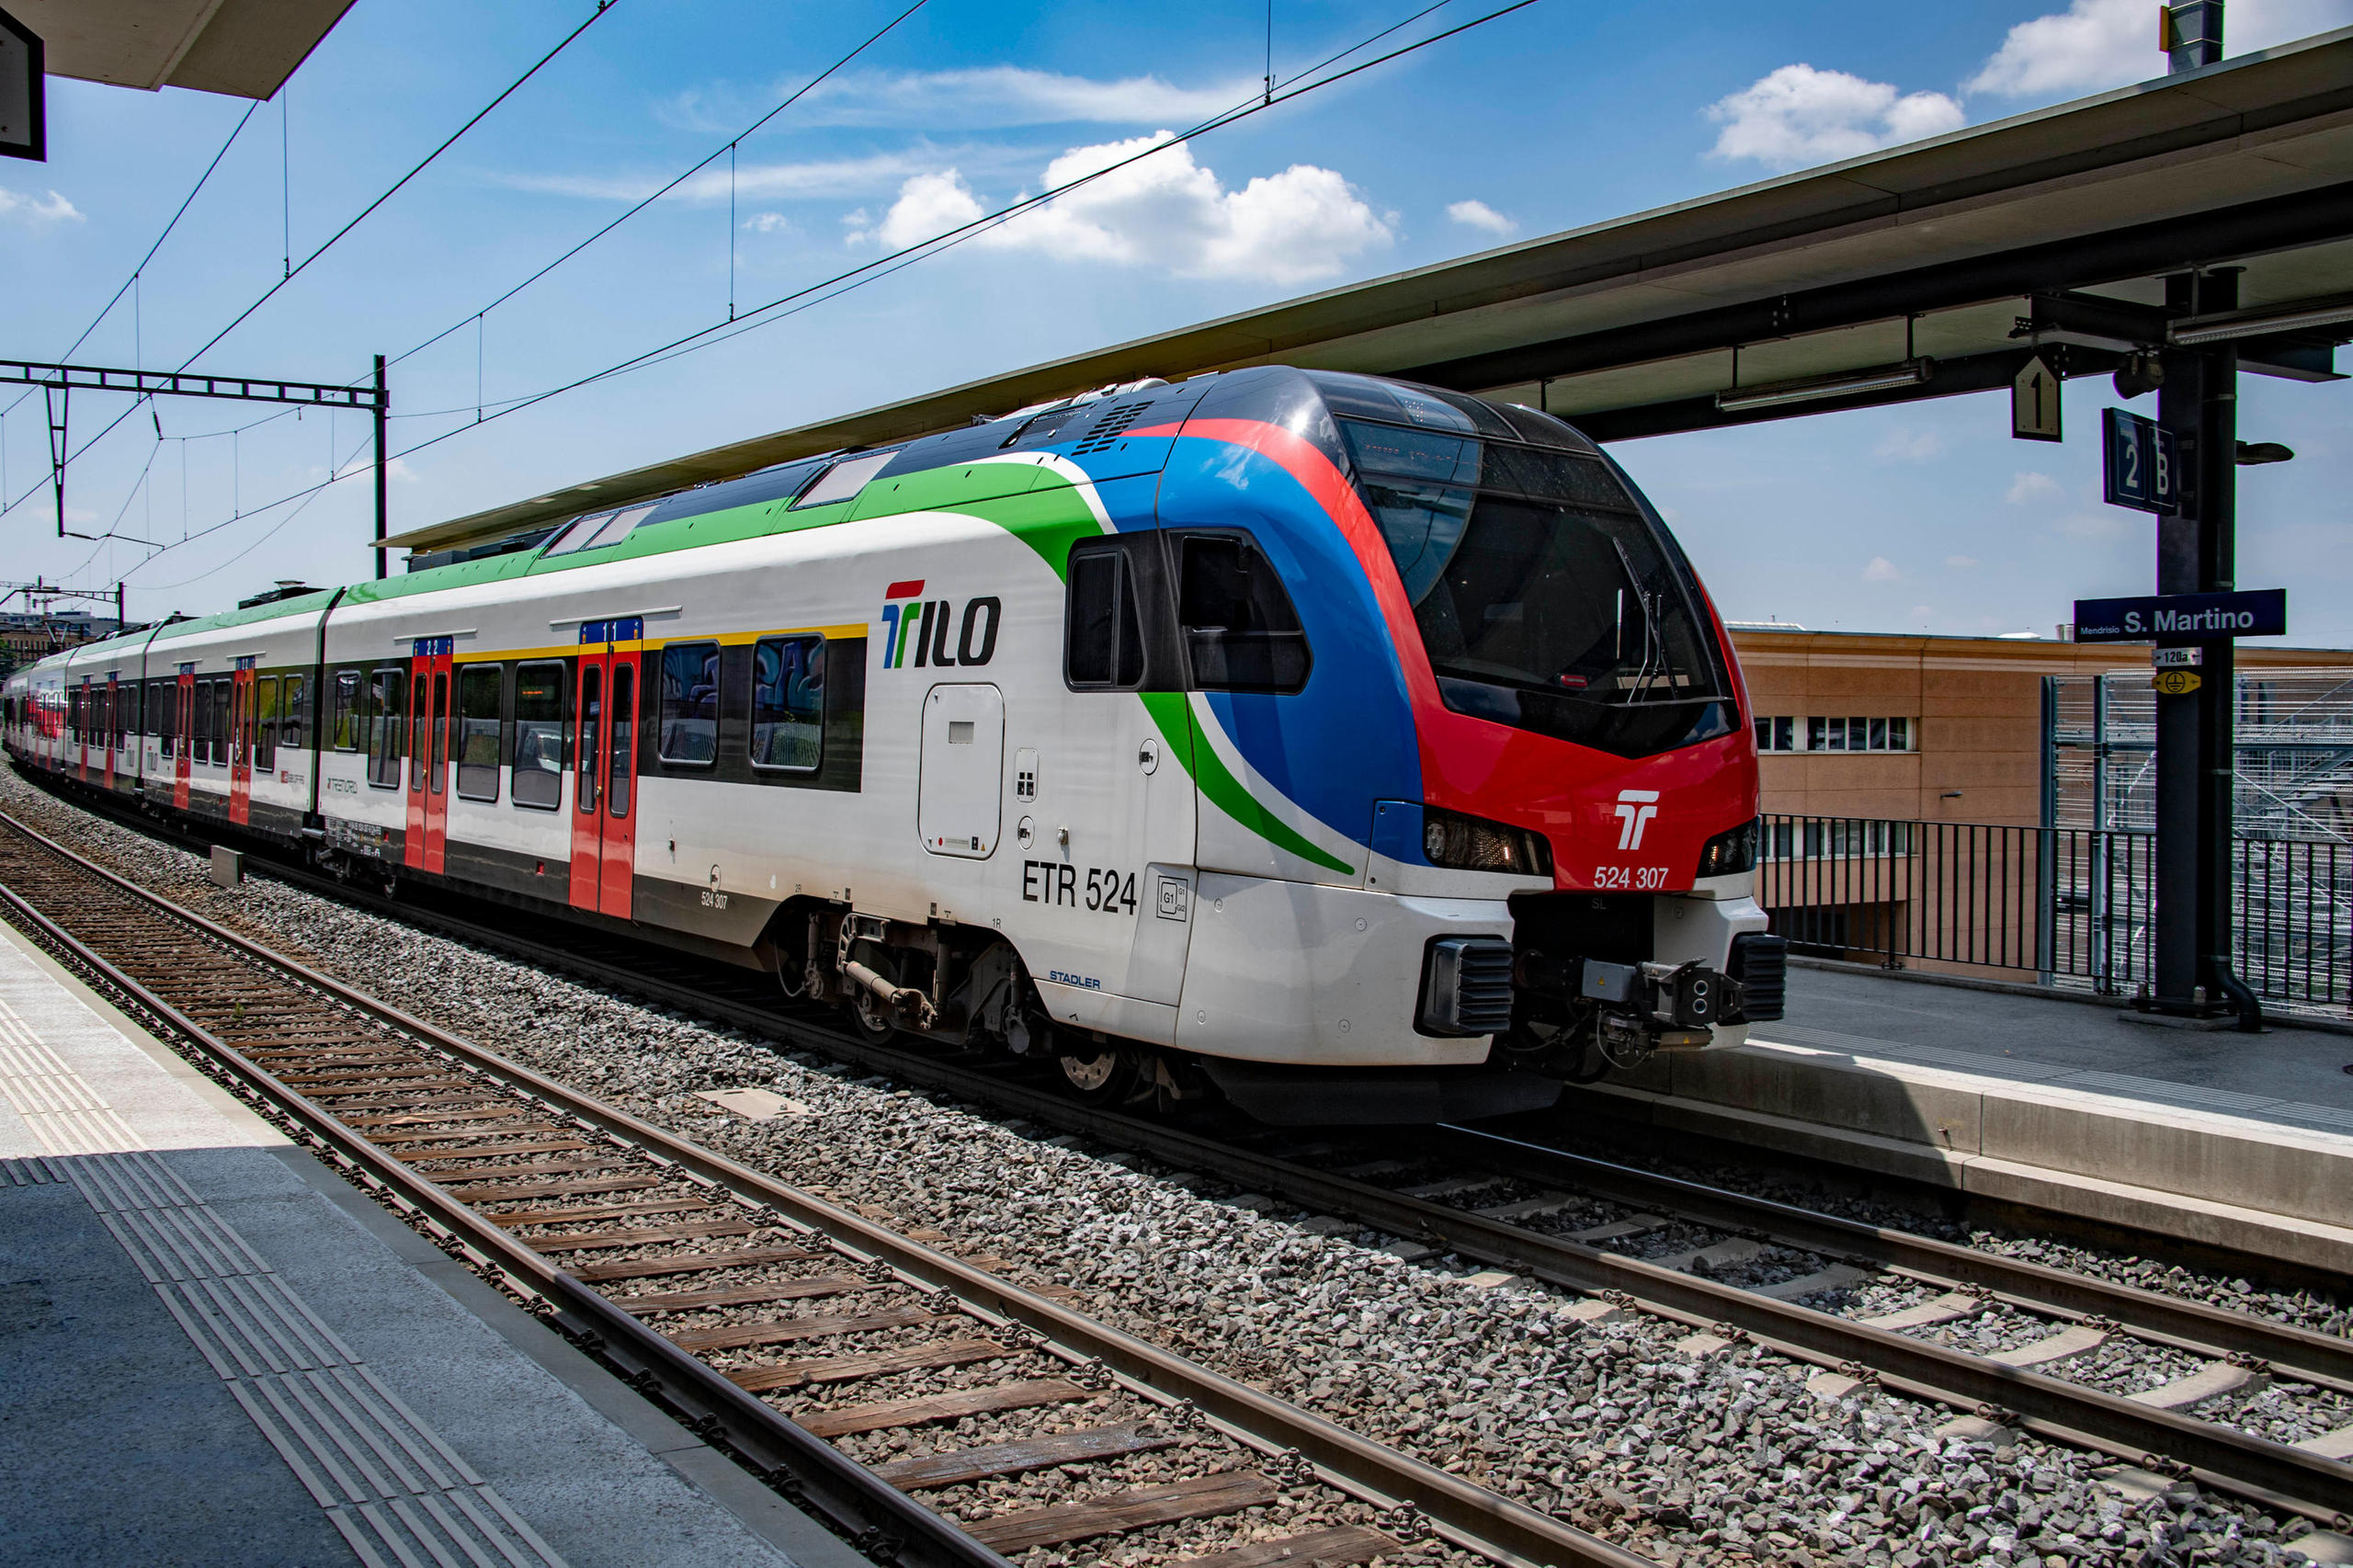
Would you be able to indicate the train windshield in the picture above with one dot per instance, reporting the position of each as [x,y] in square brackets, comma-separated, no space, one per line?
[1546,598]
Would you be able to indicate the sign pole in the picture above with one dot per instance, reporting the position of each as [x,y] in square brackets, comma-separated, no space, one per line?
[382,404]
[2197,404]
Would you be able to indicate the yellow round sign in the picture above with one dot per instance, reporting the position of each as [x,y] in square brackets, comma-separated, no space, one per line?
[2177,683]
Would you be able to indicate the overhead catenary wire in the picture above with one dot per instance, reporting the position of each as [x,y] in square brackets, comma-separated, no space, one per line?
[790,99]
[297,268]
[882,266]
[1297,85]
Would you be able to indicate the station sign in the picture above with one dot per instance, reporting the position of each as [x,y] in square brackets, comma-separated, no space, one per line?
[2034,403]
[2139,462]
[2178,658]
[24,112]
[2187,617]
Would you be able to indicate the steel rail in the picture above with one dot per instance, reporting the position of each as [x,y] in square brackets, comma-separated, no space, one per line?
[1469,1515]
[2324,1359]
[2275,1474]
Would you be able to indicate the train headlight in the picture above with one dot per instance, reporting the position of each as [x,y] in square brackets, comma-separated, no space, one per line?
[1469,844]
[1734,849]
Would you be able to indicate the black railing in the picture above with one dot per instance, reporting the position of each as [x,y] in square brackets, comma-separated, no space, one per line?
[2066,906]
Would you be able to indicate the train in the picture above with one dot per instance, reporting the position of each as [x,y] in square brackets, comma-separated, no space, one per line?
[1347,749]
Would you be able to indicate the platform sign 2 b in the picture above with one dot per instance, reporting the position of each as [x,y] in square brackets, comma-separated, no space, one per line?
[2140,464]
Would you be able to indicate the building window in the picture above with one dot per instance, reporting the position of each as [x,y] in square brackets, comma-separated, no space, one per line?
[1859,734]
[1777,734]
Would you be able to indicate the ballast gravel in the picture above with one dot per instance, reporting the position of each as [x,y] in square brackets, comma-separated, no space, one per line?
[1720,1458]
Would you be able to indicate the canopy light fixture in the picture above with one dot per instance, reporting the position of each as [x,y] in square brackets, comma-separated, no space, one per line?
[2251,453]
[1811,389]
[2225,326]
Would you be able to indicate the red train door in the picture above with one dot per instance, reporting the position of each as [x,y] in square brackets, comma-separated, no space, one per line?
[183,735]
[241,743]
[603,768]
[428,753]
[114,723]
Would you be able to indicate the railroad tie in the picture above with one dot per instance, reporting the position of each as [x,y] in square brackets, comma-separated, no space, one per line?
[891,1414]
[1226,1492]
[691,1263]
[2337,1445]
[595,1241]
[1633,1225]
[1950,1307]
[853,1368]
[2059,1347]
[787,1331]
[601,1211]
[953,1467]
[1324,1549]
[2211,1382]
[738,1295]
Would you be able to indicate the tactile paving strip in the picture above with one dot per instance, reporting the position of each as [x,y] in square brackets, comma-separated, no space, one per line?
[387,1481]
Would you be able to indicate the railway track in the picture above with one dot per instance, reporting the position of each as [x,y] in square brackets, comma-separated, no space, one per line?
[917,1400]
[1563,1219]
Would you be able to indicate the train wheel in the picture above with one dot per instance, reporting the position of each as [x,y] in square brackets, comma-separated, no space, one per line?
[1104,1075]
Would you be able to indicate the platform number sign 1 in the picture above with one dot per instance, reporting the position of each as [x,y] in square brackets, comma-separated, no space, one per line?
[2034,403]
[2140,464]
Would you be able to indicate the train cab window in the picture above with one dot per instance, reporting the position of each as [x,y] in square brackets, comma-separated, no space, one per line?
[266,725]
[845,479]
[292,725]
[788,702]
[1103,647]
[1240,631]
[689,718]
[388,711]
[478,731]
[347,720]
[538,735]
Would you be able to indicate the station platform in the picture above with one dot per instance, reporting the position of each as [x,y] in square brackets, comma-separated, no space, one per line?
[213,1350]
[2234,1141]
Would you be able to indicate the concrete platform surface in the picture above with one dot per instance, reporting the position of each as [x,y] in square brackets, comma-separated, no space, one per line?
[2243,1141]
[212,1350]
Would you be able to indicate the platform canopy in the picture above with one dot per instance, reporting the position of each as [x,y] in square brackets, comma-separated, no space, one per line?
[1927,270]
[244,48]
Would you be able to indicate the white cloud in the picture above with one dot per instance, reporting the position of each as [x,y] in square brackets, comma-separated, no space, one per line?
[397,471]
[36,210]
[1165,210]
[928,206]
[1478,215]
[1922,613]
[1908,446]
[837,177]
[2097,525]
[769,223]
[2094,44]
[1960,562]
[1881,569]
[2027,487]
[1011,95]
[1798,115]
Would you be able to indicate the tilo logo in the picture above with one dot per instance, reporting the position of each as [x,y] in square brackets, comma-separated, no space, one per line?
[917,626]
[1634,813]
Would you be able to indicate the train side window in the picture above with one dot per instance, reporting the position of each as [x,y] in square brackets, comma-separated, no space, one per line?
[291,725]
[1240,631]
[224,698]
[1103,646]
[788,702]
[388,713]
[478,731]
[266,725]
[167,725]
[347,726]
[538,735]
[199,733]
[689,718]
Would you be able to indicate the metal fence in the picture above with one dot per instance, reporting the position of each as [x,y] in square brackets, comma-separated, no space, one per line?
[2056,905]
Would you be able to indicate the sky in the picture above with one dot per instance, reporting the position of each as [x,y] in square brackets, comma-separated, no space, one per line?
[1927,518]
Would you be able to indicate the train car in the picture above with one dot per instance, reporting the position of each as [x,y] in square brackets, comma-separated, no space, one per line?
[1353,749]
